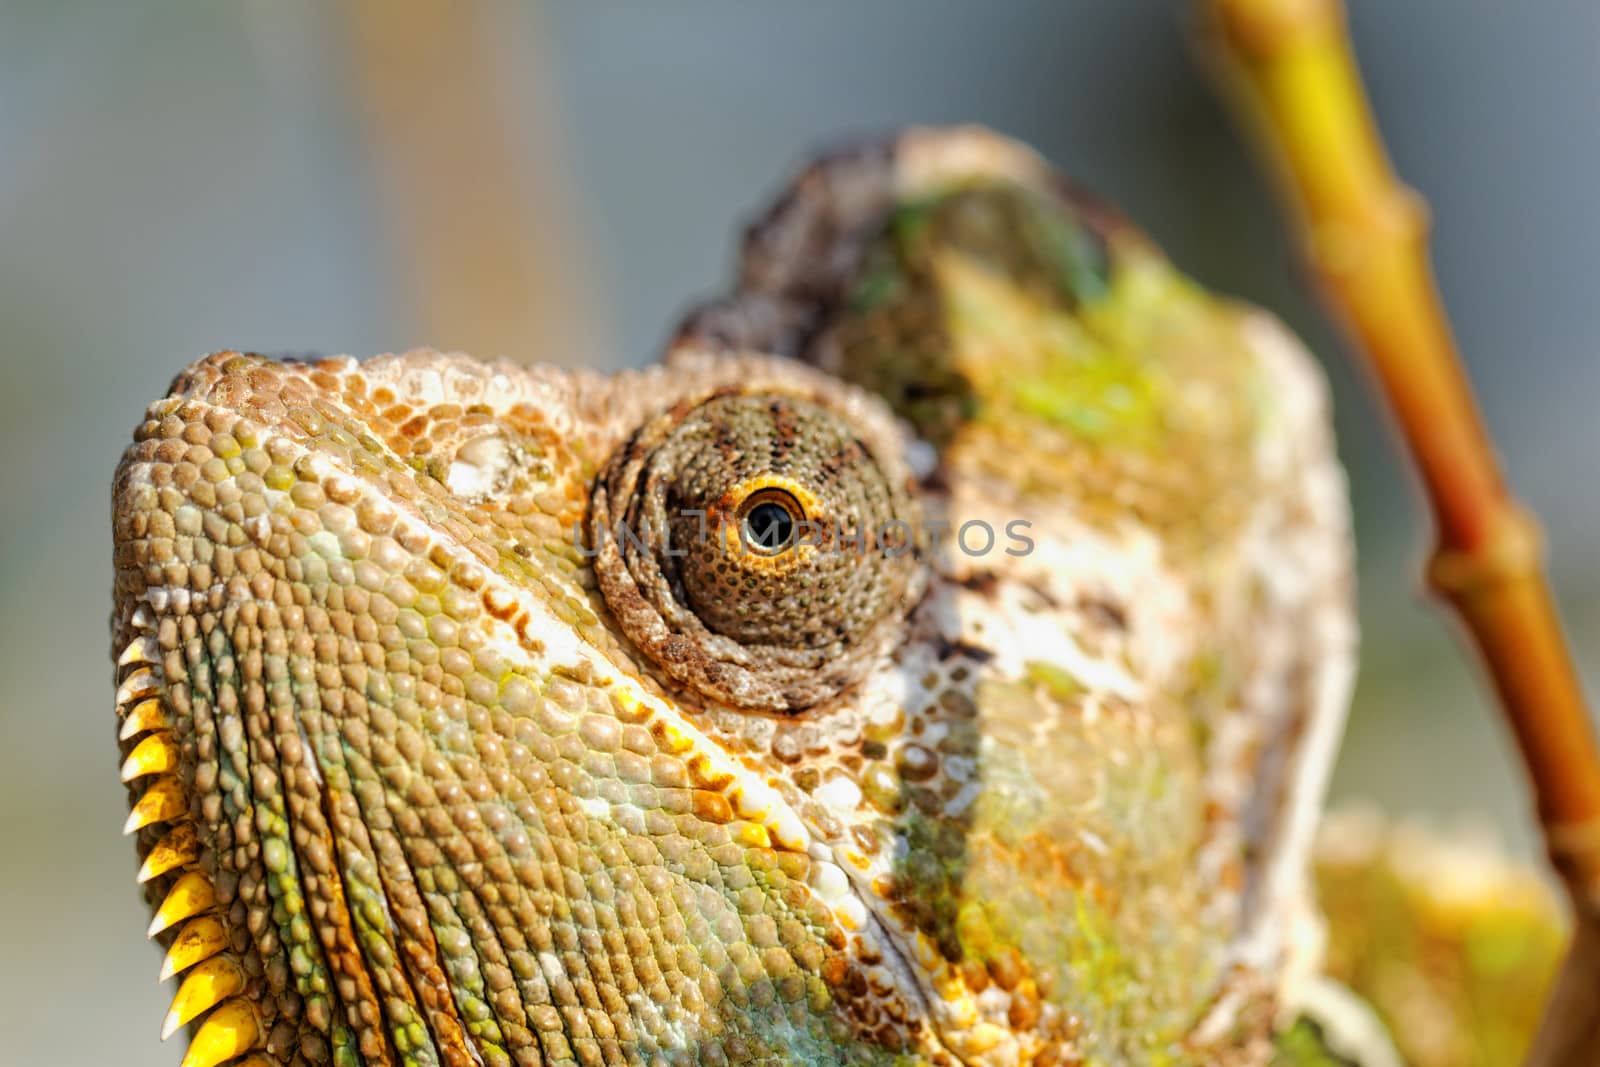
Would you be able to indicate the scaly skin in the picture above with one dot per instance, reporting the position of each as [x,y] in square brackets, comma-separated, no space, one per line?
[425,768]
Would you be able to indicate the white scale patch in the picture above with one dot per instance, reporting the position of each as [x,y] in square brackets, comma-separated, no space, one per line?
[481,466]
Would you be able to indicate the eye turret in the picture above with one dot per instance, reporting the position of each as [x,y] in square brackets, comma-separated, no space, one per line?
[754,547]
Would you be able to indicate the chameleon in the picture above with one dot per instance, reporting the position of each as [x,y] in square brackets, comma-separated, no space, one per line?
[936,658]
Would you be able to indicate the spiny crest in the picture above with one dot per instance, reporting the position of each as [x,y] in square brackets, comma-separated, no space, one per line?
[227,1025]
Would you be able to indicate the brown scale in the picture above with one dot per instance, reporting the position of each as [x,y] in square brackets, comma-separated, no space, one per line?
[274,739]
[359,832]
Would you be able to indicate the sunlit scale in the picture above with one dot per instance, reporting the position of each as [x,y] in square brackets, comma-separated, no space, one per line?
[145,716]
[178,848]
[154,755]
[190,895]
[206,985]
[423,768]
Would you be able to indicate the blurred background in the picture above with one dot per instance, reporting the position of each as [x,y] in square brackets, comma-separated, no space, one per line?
[556,182]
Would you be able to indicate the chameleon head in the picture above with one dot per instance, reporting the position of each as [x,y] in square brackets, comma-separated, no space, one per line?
[482,714]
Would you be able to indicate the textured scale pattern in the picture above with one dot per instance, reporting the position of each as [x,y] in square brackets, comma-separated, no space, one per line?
[425,769]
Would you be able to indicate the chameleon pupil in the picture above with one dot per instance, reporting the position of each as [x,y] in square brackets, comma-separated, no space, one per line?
[769,526]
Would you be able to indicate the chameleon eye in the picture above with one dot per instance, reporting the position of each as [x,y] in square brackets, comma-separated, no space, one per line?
[746,545]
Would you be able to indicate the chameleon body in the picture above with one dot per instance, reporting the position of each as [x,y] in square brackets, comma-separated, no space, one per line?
[980,713]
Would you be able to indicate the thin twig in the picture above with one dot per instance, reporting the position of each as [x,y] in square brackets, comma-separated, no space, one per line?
[1364,235]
